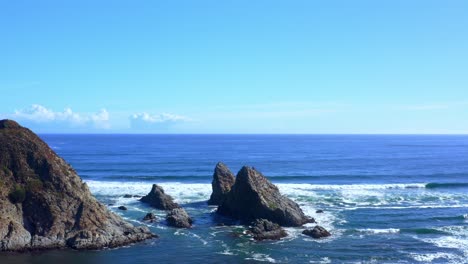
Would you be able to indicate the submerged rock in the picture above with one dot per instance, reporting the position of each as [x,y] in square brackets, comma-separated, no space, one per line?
[254,197]
[178,217]
[158,199]
[223,179]
[44,204]
[319,211]
[128,196]
[263,229]
[316,232]
[122,208]
[150,217]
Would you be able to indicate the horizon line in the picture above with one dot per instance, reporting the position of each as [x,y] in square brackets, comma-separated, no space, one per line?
[266,134]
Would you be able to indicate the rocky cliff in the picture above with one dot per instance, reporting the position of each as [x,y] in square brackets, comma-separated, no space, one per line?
[253,197]
[223,179]
[158,199]
[44,204]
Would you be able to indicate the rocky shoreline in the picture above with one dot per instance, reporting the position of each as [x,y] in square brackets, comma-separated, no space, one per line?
[44,204]
[253,199]
[249,198]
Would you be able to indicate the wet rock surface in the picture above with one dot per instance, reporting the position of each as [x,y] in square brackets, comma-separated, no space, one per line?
[158,199]
[317,232]
[150,217]
[253,197]
[262,229]
[178,217]
[44,204]
[223,180]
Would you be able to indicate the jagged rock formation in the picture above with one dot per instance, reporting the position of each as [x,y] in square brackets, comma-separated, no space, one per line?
[178,217]
[317,232]
[223,179]
[254,197]
[262,229]
[44,204]
[150,217]
[158,199]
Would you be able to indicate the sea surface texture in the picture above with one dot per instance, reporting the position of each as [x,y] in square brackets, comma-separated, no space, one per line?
[386,199]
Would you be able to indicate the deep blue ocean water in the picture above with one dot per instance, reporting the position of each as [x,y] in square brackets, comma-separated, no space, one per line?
[386,198]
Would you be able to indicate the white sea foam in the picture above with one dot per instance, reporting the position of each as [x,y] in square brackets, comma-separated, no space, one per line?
[458,239]
[324,260]
[325,219]
[380,231]
[262,258]
[450,242]
[410,207]
[301,186]
[362,196]
[226,252]
[296,190]
[430,257]
[182,193]
[347,197]
[455,230]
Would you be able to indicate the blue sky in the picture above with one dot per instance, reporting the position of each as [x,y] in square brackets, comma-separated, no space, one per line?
[235,66]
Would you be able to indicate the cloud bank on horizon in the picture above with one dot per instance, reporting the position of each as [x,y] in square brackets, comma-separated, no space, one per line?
[45,119]
[39,114]
[155,122]
[277,118]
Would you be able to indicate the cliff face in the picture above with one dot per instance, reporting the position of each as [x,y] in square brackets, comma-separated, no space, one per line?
[44,203]
[158,199]
[223,179]
[253,197]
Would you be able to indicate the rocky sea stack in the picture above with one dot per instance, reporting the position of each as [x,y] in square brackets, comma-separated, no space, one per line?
[262,229]
[223,179]
[158,199]
[317,232]
[44,204]
[178,217]
[253,197]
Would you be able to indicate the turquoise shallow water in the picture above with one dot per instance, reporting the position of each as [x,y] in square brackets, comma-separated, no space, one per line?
[386,199]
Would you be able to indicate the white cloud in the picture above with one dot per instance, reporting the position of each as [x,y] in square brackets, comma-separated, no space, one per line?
[101,119]
[159,118]
[155,122]
[42,115]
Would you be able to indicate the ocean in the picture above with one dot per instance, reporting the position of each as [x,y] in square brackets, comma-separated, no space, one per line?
[386,198]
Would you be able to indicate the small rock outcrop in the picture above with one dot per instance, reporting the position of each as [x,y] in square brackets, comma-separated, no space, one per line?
[44,204]
[178,217]
[149,217]
[123,208]
[223,179]
[263,229]
[158,199]
[316,232]
[254,197]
